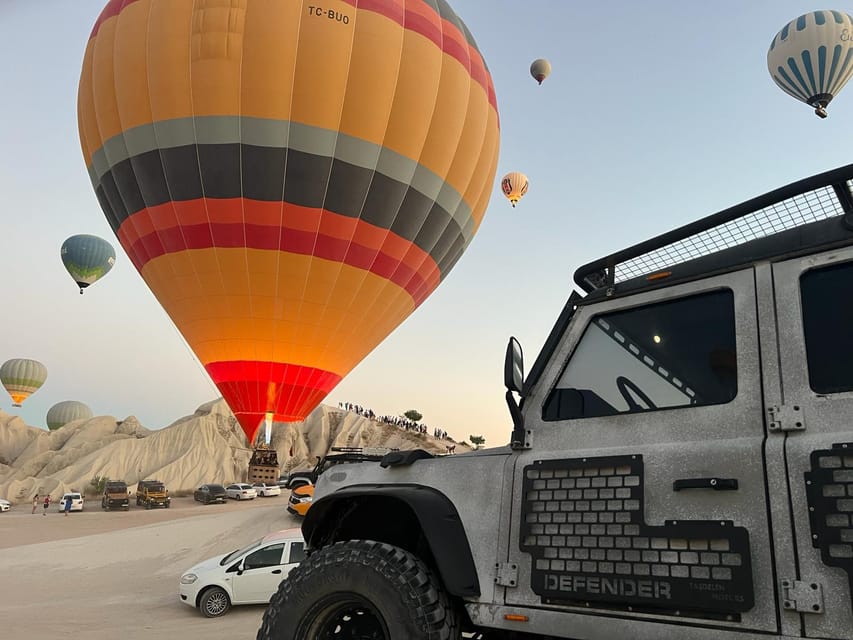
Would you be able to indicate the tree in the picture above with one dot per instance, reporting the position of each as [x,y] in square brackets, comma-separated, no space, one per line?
[97,484]
[413,414]
[477,441]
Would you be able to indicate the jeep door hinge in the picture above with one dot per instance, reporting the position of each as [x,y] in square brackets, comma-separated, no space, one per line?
[506,574]
[803,597]
[786,417]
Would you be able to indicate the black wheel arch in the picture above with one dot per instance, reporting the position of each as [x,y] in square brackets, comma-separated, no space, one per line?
[416,518]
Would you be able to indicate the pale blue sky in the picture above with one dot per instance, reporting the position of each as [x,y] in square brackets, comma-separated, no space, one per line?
[656,113]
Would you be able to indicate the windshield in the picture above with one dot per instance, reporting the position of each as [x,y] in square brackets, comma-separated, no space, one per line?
[235,554]
[156,487]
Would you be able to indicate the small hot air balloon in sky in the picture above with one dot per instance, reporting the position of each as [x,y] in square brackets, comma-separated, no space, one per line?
[811,58]
[67,411]
[514,185]
[540,69]
[291,181]
[22,377]
[87,258]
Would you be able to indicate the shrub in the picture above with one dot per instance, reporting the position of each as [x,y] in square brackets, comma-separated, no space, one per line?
[477,441]
[414,415]
[96,485]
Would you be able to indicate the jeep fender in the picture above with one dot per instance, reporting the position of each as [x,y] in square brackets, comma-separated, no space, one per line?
[354,512]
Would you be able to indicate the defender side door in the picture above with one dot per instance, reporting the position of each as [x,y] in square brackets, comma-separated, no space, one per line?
[643,494]
[814,301]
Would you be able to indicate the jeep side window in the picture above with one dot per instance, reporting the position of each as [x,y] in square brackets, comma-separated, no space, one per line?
[266,557]
[665,355]
[827,300]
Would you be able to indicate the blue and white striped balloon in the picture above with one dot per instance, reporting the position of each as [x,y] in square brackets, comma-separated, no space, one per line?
[811,58]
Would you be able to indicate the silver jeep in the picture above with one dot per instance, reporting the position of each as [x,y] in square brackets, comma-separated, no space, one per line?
[680,466]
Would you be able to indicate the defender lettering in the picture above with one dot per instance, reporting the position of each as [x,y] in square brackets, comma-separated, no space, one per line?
[656,589]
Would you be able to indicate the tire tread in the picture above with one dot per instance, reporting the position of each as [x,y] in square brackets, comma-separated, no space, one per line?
[433,611]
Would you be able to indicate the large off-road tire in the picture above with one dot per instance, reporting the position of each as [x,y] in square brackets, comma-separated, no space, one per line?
[214,603]
[360,589]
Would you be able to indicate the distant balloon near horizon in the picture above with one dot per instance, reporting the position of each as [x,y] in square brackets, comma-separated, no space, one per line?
[514,185]
[290,181]
[540,69]
[22,377]
[67,411]
[87,259]
[811,58]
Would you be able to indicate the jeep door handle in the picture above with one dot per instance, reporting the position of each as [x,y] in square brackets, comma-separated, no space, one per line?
[276,571]
[717,484]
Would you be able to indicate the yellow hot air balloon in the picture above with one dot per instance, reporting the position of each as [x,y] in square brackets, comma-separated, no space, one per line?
[811,58]
[290,180]
[514,185]
[540,69]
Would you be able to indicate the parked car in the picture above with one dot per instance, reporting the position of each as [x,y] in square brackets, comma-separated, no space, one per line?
[282,482]
[152,493]
[250,575]
[5,505]
[208,493]
[266,490]
[339,455]
[241,491]
[300,500]
[76,501]
[116,496]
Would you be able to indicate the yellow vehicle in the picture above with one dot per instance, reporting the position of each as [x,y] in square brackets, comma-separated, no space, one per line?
[152,493]
[300,500]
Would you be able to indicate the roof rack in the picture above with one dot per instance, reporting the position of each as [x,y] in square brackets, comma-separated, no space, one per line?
[826,195]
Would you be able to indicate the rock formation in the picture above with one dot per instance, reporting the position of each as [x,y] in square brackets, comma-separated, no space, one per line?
[208,446]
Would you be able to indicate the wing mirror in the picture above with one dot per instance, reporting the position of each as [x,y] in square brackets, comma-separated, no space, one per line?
[514,382]
[236,568]
[514,367]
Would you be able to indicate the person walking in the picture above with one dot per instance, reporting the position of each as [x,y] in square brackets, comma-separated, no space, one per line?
[46,504]
[67,504]
[35,502]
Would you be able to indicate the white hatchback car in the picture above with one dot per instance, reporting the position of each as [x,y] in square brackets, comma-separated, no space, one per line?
[76,501]
[250,575]
[266,490]
[241,491]
[5,505]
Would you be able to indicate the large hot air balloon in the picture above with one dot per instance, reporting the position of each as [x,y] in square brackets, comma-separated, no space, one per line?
[514,185]
[87,259]
[540,69]
[66,411]
[811,58]
[290,181]
[22,377]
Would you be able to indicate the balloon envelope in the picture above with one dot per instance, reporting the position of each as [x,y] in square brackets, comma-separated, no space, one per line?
[87,259]
[811,58]
[22,377]
[514,186]
[540,69]
[291,181]
[66,411]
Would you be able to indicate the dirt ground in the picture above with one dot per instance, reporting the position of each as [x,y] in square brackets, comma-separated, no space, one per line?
[98,575]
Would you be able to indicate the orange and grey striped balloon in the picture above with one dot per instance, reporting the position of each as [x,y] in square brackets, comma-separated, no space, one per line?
[290,180]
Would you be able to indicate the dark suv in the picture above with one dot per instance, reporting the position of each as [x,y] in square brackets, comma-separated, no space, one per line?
[208,493]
